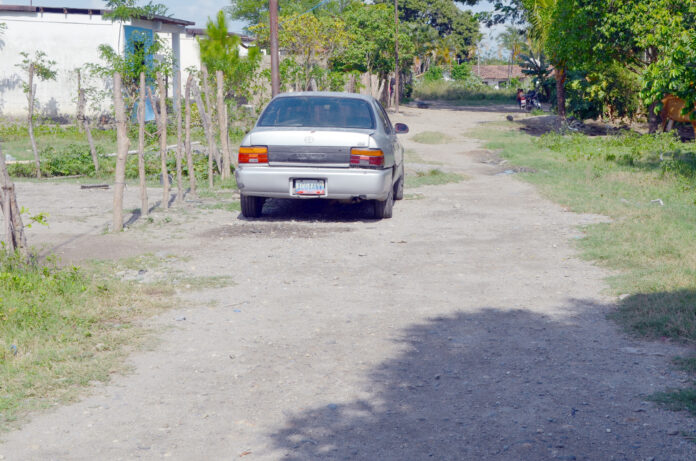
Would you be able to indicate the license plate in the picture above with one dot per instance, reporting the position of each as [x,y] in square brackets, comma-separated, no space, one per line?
[310,187]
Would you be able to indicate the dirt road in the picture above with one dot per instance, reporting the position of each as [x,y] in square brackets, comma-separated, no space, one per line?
[463,328]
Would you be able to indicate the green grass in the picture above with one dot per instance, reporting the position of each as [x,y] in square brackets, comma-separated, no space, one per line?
[432,178]
[431,137]
[648,244]
[60,329]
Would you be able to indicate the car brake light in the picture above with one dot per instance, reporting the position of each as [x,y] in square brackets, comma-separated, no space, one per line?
[366,157]
[253,155]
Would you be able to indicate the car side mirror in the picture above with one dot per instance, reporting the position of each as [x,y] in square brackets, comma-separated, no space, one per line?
[401,128]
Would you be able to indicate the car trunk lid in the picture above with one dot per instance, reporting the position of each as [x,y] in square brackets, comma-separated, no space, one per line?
[310,148]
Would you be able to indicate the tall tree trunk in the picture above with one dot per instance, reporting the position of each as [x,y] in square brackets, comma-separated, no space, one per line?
[30,120]
[179,147]
[83,122]
[222,124]
[15,237]
[560,92]
[189,154]
[163,139]
[211,111]
[207,127]
[122,143]
[144,206]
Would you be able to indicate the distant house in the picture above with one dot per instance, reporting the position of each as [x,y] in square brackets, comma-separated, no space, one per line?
[493,75]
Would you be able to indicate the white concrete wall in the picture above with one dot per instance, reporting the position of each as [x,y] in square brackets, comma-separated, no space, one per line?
[69,39]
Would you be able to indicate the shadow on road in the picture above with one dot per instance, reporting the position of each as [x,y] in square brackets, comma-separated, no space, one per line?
[496,384]
[313,210]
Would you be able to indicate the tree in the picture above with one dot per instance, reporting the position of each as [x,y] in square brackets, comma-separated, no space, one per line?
[312,40]
[255,12]
[220,51]
[42,68]
[125,10]
[138,54]
[445,17]
[513,41]
[373,52]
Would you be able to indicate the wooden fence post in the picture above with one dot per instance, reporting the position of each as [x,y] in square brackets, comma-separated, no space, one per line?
[122,143]
[163,139]
[189,154]
[207,127]
[144,206]
[179,150]
[222,123]
[16,238]
[30,120]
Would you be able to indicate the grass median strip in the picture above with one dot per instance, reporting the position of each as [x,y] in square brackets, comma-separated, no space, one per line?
[646,185]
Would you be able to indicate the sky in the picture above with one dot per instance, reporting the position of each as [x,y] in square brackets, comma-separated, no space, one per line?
[200,10]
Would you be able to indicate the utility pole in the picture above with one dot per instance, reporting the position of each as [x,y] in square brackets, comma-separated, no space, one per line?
[397,89]
[275,70]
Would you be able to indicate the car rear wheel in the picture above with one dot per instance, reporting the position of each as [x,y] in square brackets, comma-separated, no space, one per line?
[251,206]
[383,208]
[399,189]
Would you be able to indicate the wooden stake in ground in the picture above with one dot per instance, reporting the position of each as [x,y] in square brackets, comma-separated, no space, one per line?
[31,93]
[163,139]
[122,155]
[153,103]
[211,110]
[144,206]
[15,239]
[222,124]
[83,121]
[208,128]
[189,154]
[179,147]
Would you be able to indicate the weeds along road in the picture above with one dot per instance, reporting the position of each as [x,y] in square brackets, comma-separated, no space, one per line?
[463,328]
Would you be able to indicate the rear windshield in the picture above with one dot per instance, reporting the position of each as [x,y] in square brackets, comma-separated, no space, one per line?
[318,111]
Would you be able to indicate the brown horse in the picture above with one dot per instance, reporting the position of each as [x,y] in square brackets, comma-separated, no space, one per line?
[672,107]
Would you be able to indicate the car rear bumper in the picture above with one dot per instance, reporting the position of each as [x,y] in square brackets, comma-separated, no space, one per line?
[341,183]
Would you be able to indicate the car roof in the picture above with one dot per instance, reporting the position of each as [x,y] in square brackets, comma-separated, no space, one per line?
[333,94]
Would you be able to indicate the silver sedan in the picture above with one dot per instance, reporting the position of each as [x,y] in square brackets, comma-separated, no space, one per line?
[315,145]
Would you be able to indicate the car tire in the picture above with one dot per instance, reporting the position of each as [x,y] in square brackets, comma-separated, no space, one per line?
[251,206]
[399,188]
[383,208]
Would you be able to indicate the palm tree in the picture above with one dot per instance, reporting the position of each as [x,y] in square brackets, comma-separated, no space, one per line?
[540,14]
[513,41]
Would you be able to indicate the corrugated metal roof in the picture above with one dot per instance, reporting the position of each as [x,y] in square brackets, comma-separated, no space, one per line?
[498,72]
[89,11]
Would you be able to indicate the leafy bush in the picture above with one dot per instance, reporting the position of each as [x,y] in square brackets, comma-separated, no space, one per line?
[471,89]
[461,71]
[611,92]
[433,74]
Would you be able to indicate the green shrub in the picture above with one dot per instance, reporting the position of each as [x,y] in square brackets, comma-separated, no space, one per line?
[461,71]
[471,89]
[433,74]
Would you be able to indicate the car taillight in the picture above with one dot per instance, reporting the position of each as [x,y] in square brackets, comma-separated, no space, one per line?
[366,158]
[253,155]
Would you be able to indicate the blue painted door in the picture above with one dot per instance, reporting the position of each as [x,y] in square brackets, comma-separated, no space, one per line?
[138,43]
